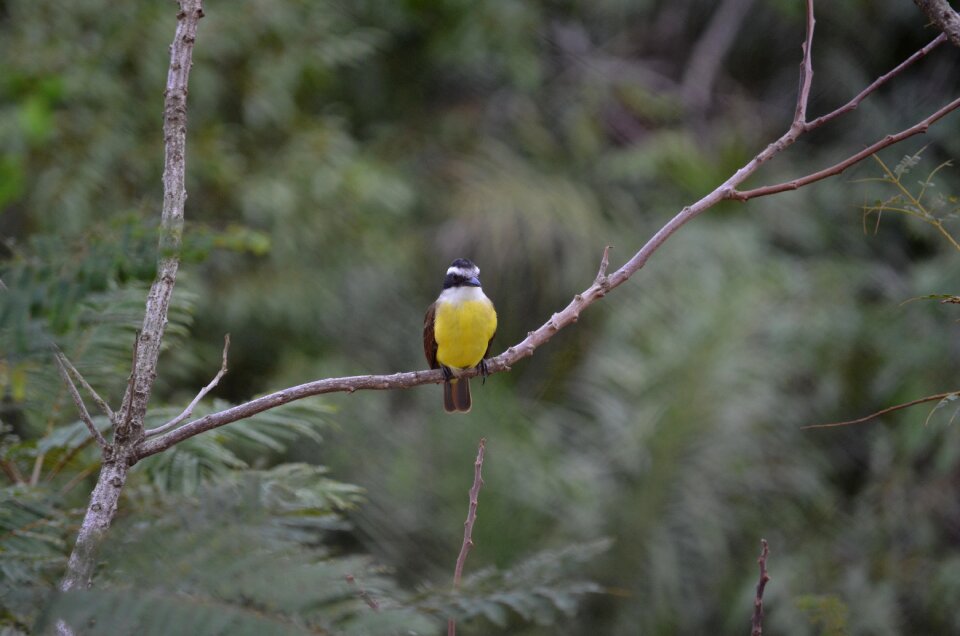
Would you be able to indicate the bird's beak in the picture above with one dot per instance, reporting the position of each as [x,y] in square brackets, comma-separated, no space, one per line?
[473,282]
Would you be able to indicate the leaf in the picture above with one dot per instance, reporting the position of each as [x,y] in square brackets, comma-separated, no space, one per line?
[539,588]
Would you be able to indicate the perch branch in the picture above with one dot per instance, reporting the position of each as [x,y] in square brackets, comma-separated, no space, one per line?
[942,14]
[81,407]
[757,623]
[889,409]
[468,525]
[601,285]
[203,392]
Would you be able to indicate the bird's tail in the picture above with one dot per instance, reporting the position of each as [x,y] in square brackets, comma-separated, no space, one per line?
[456,395]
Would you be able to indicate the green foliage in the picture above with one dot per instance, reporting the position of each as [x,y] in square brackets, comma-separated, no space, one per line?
[537,589]
[256,440]
[827,613]
[936,210]
[244,557]
[33,533]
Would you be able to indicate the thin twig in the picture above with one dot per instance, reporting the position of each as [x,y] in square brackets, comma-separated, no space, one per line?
[81,407]
[889,409]
[86,385]
[877,83]
[757,623]
[203,392]
[806,71]
[571,313]
[468,526]
[889,140]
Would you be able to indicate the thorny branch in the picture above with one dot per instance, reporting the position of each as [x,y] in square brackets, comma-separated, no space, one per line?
[468,525]
[604,282]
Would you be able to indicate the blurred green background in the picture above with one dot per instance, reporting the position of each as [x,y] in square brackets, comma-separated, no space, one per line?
[340,155]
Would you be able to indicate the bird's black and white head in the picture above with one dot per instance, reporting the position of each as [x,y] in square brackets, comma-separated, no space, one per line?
[462,273]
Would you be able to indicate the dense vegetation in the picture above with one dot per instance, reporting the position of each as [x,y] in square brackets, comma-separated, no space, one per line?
[340,156]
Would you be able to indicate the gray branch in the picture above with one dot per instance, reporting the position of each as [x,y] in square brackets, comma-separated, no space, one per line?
[129,427]
[942,14]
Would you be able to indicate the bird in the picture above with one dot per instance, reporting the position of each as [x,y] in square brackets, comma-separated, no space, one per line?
[457,330]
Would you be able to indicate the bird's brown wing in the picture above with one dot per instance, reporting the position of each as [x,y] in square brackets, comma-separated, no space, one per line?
[429,343]
[486,354]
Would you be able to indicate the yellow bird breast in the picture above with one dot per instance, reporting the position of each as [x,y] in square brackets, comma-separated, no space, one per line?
[463,329]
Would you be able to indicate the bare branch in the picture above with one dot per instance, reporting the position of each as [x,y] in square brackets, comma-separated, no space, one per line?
[806,71]
[757,623]
[942,14]
[877,83]
[889,140]
[86,385]
[81,407]
[203,392]
[600,287]
[889,409]
[468,525]
[171,220]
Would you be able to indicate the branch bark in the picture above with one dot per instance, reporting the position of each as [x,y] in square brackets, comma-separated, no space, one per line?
[756,625]
[171,222]
[942,14]
[129,426]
